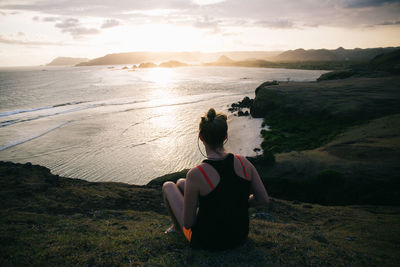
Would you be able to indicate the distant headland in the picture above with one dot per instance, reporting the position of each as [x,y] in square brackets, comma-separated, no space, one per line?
[67,61]
[333,59]
[339,54]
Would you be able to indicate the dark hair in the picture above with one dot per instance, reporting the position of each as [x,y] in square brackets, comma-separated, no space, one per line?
[213,128]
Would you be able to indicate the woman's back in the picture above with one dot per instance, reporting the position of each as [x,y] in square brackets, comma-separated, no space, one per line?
[211,204]
[222,220]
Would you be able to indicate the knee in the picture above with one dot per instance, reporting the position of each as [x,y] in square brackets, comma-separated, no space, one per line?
[181,182]
[167,185]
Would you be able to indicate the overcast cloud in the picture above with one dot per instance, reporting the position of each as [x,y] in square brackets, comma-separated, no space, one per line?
[96,27]
[267,13]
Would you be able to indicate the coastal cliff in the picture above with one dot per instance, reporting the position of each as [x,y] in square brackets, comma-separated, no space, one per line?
[335,142]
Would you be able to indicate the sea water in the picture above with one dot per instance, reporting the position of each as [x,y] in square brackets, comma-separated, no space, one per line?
[105,123]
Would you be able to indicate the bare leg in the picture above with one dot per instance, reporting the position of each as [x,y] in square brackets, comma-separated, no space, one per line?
[181,185]
[173,199]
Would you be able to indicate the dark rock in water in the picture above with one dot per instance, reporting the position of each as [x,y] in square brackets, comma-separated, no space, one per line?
[147,65]
[263,216]
[241,113]
[28,164]
[172,64]
[245,103]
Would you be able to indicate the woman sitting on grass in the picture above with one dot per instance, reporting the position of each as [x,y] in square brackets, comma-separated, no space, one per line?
[211,205]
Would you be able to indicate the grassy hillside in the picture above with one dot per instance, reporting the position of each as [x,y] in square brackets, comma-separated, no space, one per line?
[51,220]
[385,64]
[335,142]
[307,115]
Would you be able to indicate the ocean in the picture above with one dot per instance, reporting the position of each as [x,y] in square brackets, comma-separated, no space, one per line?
[104,123]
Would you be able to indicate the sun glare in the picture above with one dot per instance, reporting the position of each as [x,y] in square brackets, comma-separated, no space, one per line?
[160,76]
[162,79]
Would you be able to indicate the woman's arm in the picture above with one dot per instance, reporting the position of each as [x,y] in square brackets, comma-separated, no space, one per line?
[190,199]
[259,194]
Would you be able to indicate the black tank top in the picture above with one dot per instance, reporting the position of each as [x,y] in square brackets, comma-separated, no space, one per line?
[223,220]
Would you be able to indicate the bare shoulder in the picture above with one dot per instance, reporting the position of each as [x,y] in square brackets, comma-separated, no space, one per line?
[193,175]
[244,163]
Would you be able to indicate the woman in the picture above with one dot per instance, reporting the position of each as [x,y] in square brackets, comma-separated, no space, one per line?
[211,205]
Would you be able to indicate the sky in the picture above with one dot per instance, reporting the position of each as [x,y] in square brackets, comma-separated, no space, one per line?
[33,32]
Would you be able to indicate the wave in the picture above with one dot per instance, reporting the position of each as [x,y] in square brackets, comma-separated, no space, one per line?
[55,109]
[18,111]
[29,138]
[185,102]
[10,122]
[13,112]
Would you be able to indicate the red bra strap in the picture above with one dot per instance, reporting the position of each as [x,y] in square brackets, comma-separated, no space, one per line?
[244,170]
[205,176]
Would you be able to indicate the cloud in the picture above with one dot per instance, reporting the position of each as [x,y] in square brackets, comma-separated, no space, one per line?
[367,3]
[9,13]
[50,19]
[267,13]
[110,23]
[277,24]
[389,23]
[73,26]
[99,8]
[5,40]
[207,23]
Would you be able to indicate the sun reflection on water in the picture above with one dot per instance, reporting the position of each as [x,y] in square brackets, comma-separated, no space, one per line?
[160,76]
[162,93]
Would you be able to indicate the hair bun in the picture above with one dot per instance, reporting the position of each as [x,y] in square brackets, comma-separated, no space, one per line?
[211,114]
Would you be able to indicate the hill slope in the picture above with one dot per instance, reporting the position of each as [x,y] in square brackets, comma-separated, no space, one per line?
[335,142]
[339,54]
[50,220]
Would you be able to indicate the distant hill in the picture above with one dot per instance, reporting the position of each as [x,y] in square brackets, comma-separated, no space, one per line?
[172,64]
[388,62]
[224,60]
[385,64]
[307,55]
[339,54]
[190,57]
[67,61]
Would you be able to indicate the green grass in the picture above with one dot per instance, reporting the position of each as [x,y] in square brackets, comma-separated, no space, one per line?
[35,230]
[304,116]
